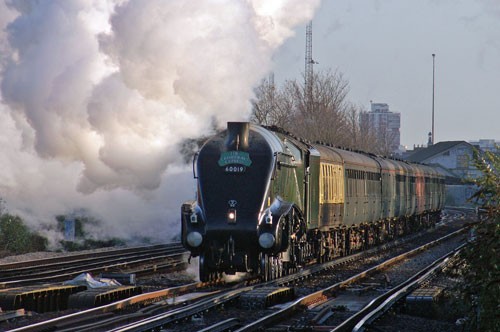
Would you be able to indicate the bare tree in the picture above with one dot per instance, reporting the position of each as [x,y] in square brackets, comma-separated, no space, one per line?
[325,116]
[354,128]
[264,103]
[270,106]
[321,117]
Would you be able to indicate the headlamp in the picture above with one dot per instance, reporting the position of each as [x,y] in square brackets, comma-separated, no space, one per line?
[231,216]
[266,240]
[194,239]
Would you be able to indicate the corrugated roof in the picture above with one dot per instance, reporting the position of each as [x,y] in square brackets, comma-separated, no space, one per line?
[424,154]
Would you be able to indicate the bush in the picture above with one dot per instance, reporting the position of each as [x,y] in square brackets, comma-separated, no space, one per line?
[83,240]
[482,257]
[16,238]
[85,244]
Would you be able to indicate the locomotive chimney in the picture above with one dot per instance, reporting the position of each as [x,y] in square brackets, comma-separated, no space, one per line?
[237,135]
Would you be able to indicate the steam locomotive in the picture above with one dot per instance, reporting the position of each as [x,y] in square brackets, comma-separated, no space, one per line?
[269,203]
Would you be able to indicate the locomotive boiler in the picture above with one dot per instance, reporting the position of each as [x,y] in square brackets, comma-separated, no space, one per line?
[269,203]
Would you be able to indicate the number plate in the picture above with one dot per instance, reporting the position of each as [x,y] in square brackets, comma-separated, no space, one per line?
[235,169]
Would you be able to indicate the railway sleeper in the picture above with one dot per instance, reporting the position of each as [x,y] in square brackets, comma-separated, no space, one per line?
[261,298]
[102,295]
[38,298]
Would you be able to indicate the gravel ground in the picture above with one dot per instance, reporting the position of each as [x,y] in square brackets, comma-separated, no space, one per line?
[32,318]
[443,315]
[165,280]
[392,322]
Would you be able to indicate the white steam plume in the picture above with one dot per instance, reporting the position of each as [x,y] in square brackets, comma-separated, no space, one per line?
[98,95]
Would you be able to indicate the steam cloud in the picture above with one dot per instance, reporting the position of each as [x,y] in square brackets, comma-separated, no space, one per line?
[97,95]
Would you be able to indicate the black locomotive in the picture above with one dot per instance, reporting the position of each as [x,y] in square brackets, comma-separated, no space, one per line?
[269,203]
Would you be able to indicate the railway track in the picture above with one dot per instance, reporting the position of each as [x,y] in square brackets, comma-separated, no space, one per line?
[378,306]
[66,267]
[37,263]
[202,311]
[315,293]
[358,300]
[35,286]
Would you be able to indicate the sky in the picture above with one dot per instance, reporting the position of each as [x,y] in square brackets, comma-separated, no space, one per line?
[384,49]
[97,97]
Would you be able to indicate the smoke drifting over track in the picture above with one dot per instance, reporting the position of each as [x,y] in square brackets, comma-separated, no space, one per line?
[97,96]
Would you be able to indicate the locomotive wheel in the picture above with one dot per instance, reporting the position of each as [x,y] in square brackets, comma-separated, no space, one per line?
[264,267]
[214,276]
[205,273]
[279,267]
[270,267]
[273,267]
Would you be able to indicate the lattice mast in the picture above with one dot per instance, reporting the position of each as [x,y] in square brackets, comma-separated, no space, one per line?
[271,80]
[308,84]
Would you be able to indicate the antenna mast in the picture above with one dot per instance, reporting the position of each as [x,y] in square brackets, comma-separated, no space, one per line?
[309,67]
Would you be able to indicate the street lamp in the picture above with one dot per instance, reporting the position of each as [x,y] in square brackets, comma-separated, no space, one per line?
[433,75]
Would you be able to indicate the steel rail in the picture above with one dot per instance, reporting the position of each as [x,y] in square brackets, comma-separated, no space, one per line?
[170,267]
[103,321]
[94,263]
[319,297]
[181,313]
[52,324]
[149,312]
[222,326]
[65,262]
[65,276]
[381,304]
[76,257]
